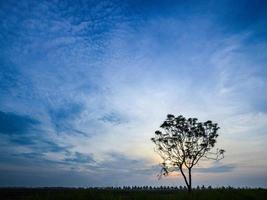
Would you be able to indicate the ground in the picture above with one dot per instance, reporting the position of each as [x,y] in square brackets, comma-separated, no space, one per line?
[120,194]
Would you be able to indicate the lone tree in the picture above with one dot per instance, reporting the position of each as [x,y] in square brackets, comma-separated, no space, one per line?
[182,143]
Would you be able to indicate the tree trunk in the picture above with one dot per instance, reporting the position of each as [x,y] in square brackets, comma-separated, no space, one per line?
[185,179]
[190,180]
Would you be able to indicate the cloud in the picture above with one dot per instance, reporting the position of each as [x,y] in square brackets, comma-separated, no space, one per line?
[26,131]
[113,118]
[80,158]
[216,169]
[46,178]
[11,123]
[62,117]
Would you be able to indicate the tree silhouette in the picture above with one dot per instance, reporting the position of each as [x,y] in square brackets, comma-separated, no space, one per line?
[182,143]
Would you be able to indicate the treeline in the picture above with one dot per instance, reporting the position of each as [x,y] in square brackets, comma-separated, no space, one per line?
[168,188]
[136,188]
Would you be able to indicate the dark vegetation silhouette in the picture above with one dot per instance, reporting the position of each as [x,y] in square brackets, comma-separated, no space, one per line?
[183,142]
[133,192]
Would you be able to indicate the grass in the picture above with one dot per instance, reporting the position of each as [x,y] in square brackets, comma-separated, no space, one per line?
[133,194]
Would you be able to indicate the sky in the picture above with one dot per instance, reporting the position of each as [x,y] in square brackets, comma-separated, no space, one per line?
[84,85]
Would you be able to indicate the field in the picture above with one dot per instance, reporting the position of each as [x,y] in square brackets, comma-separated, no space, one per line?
[121,194]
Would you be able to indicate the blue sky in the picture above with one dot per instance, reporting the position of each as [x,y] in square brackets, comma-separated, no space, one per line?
[84,86]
